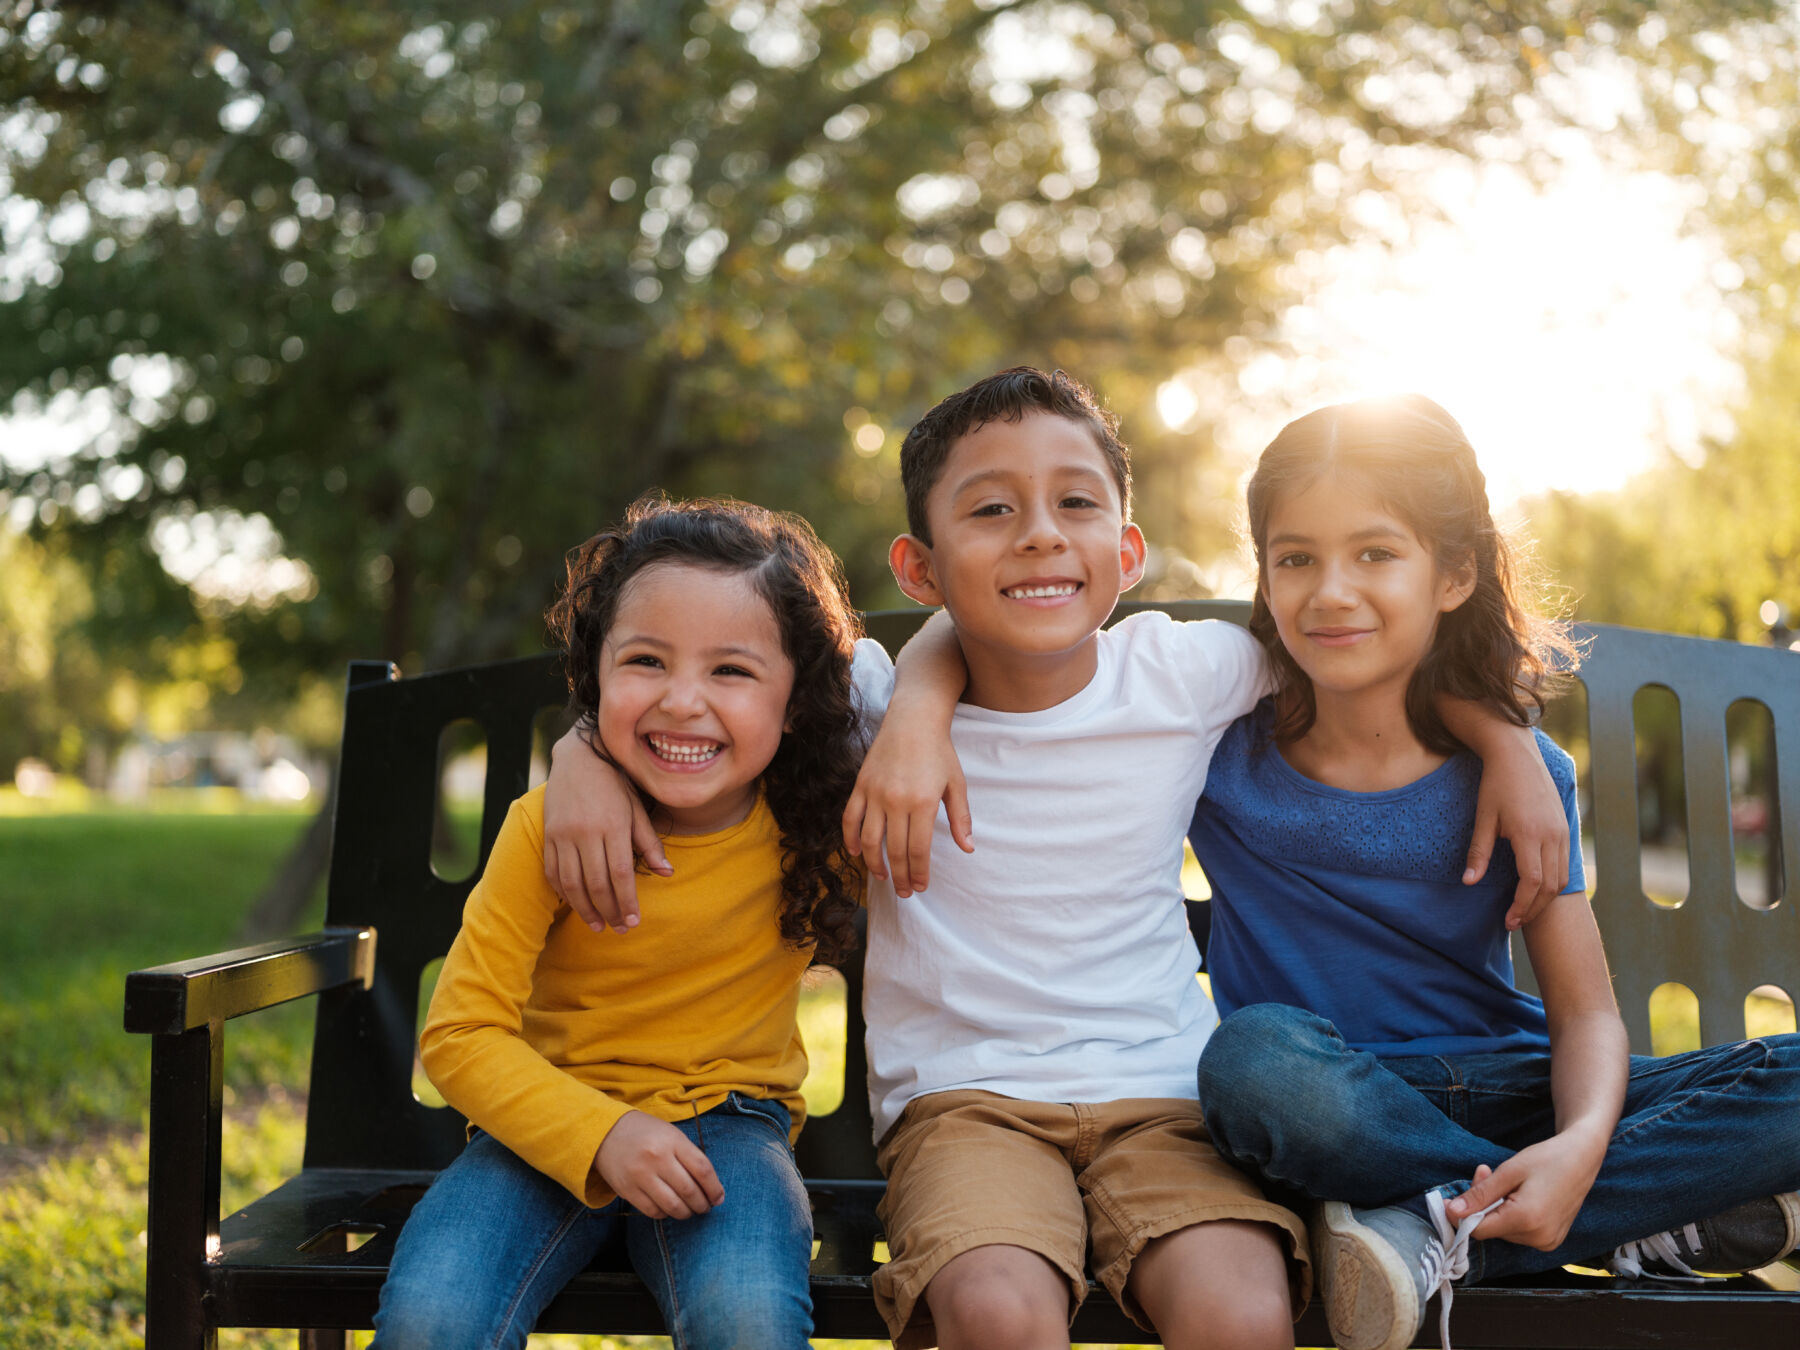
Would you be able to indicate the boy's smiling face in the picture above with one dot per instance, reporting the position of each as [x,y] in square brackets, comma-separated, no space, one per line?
[1029,553]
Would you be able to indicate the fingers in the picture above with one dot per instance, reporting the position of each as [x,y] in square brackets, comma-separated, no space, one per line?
[682,1185]
[699,1170]
[617,903]
[571,886]
[1481,844]
[553,869]
[647,844]
[899,849]
[852,822]
[657,1169]
[871,836]
[956,806]
[1489,1186]
[918,847]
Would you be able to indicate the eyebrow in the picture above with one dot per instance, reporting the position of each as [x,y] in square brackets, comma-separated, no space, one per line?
[713,653]
[1373,532]
[1006,474]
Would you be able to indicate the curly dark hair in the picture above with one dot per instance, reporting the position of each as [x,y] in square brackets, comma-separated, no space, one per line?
[808,782]
[1494,649]
[1004,397]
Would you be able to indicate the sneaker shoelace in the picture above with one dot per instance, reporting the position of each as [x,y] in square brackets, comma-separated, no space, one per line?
[1658,1249]
[1447,1260]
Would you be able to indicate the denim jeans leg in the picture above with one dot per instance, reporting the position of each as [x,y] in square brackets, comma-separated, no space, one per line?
[1699,1133]
[1285,1098]
[736,1277]
[492,1241]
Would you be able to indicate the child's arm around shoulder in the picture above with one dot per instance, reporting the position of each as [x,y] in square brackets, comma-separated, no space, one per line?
[911,765]
[595,825]
[1519,801]
[1544,1185]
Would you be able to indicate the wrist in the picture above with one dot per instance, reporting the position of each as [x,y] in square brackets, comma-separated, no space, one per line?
[1587,1137]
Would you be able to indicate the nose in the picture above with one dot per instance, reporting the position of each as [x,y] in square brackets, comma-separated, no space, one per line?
[681,697]
[1040,530]
[1334,588]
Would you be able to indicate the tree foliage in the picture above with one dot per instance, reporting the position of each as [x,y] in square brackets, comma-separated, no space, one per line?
[1696,548]
[436,291]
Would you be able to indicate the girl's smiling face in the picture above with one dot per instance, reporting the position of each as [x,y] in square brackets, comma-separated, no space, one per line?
[694,687]
[1354,592]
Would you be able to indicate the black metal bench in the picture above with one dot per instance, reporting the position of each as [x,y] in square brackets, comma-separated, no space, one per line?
[312,1254]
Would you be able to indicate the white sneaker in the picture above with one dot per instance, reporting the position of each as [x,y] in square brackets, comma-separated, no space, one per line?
[1378,1268]
[1745,1237]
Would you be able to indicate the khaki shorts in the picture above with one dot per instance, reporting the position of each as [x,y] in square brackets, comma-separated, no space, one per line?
[971,1169]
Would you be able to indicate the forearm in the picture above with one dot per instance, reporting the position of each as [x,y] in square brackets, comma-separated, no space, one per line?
[1589,1064]
[551,1120]
[929,676]
[1482,727]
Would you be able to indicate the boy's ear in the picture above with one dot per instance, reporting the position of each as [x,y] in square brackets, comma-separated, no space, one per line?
[1457,586]
[1133,554]
[909,558]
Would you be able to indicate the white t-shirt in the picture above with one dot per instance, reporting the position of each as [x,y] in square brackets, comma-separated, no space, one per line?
[1055,962]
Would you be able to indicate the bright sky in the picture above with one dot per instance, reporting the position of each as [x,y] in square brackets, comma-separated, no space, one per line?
[1572,332]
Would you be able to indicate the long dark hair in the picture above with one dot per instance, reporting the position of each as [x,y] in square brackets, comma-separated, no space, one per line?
[1496,648]
[808,782]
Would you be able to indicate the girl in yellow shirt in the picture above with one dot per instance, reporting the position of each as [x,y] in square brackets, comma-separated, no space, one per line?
[639,1086]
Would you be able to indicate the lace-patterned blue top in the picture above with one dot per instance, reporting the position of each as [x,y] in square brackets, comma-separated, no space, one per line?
[1351,904]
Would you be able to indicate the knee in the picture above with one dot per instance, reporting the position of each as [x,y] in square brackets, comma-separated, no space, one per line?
[413,1316]
[1252,1320]
[1273,1075]
[1253,1064]
[997,1314]
[730,1314]
[1255,1043]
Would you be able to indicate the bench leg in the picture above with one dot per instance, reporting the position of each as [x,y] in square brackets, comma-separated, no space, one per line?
[186,1077]
[324,1338]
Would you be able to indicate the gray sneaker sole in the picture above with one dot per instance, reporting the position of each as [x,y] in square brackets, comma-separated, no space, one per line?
[1371,1301]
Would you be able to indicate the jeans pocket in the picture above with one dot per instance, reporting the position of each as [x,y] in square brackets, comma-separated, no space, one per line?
[762,1108]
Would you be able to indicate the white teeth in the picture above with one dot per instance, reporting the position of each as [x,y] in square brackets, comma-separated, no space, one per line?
[1042,592]
[684,752]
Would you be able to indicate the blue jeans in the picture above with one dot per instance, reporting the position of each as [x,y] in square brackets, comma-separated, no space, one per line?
[493,1241]
[1287,1099]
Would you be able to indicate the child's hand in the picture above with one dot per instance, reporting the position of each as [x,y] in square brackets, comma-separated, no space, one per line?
[658,1170]
[896,797]
[594,827]
[1543,1187]
[1519,802]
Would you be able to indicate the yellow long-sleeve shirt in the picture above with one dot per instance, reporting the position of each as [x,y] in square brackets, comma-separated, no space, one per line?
[544,1033]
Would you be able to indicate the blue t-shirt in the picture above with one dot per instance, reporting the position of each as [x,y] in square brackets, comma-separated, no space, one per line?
[1351,904]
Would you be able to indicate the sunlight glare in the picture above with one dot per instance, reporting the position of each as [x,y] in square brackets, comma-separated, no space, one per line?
[1176,404]
[1572,332]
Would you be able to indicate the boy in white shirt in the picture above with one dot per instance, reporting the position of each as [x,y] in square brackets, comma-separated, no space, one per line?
[1033,1019]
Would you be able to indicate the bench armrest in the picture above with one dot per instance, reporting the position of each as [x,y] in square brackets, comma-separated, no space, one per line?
[183,995]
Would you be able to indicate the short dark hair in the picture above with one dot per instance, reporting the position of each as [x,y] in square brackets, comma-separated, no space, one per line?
[1005,397]
[808,783]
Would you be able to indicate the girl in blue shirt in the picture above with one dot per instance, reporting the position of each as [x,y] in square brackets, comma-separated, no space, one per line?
[1376,1056]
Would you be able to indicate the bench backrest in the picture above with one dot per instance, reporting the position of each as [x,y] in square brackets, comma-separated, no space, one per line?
[362,1111]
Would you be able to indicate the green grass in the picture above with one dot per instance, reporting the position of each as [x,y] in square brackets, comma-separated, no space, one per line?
[91,897]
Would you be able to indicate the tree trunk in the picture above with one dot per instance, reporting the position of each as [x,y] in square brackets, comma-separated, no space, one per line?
[277,910]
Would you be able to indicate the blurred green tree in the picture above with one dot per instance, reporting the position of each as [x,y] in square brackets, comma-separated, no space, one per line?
[377,309]
[436,292]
